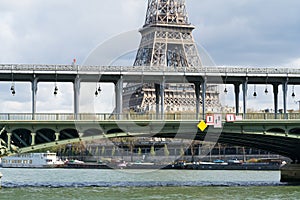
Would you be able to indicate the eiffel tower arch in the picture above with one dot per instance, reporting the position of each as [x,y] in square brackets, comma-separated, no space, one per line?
[167,41]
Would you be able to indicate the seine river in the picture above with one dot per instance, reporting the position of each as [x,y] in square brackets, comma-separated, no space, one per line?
[143,184]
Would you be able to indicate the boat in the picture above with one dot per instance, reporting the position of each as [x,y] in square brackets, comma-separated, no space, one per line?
[32,160]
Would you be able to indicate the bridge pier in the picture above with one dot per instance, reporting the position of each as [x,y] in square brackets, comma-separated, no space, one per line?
[237,98]
[33,135]
[157,100]
[57,137]
[34,88]
[119,97]
[275,91]
[9,141]
[290,173]
[197,92]
[162,98]
[284,90]
[203,86]
[76,96]
[245,91]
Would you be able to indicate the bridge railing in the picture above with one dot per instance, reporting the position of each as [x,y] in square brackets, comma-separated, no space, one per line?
[132,116]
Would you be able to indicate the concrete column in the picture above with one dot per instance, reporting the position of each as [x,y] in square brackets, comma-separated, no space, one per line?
[9,141]
[162,98]
[275,91]
[157,99]
[57,136]
[76,96]
[33,135]
[197,92]
[34,89]
[237,98]
[284,90]
[245,91]
[119,97]
[203,86]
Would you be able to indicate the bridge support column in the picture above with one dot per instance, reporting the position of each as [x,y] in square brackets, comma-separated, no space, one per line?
[34,89]
[9,141]
[57,136]
[119,97]
[203,86]
[285,89]
[245,91]
[237,98]
[275,91]
[162,98]
[197,92]
[157,100]
[76,96]
[290,173]
[33,135]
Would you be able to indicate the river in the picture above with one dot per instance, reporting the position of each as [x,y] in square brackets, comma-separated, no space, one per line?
[143,184]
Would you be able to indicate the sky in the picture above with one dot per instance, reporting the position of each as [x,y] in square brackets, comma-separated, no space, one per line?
[258,33]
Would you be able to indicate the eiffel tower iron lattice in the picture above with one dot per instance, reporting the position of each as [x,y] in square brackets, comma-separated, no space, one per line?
[167,41]
[167,36]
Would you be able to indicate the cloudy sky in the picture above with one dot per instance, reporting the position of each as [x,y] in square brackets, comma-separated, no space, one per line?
[234,32]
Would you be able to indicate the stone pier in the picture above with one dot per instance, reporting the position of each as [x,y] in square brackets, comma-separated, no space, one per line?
[290,173]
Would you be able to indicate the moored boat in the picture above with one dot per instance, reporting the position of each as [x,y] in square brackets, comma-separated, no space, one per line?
[32,160]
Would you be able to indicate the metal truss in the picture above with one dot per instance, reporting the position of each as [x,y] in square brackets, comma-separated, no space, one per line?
[167,36]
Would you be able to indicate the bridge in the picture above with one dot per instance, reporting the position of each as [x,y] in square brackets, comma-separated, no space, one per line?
[198,76]
[277,136]
[275,132]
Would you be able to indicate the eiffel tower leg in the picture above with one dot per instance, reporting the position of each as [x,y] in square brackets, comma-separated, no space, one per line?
[197,92]
[157,96]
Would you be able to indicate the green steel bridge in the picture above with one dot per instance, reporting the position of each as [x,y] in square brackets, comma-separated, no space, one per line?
[20,134]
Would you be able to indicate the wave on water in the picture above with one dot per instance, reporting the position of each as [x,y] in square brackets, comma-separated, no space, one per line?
[140,184]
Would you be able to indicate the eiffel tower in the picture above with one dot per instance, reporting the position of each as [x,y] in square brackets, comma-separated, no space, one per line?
[167,41]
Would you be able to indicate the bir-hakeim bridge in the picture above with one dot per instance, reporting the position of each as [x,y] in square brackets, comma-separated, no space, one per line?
[167,75]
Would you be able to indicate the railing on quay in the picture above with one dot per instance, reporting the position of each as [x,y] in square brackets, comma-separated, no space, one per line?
[133,116]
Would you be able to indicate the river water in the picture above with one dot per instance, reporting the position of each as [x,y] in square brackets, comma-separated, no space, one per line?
[143,184]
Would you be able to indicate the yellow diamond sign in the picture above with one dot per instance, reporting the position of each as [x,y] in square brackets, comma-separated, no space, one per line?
[202,125]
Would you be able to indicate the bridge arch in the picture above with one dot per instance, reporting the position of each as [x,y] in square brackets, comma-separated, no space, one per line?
[92,132]
[295,131]
[116,130]
[45,135]
[68,133]
[276,130]
[21,137]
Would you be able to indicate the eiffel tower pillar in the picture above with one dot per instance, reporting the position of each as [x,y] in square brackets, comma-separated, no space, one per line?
[167,43]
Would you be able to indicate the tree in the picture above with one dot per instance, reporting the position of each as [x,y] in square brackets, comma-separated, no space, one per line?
[166,150]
